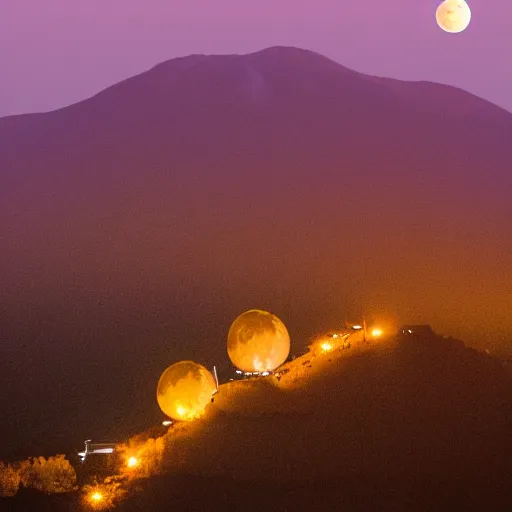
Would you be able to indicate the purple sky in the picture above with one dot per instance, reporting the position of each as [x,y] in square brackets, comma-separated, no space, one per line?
[57,52]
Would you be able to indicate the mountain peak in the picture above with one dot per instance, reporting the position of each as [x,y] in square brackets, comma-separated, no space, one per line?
[288,52]
[285,57]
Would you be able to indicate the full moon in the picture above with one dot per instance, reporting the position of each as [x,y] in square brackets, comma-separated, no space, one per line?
[453,16]
[184,390]
[258,341]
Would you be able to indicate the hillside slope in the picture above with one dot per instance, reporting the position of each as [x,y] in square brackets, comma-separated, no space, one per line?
[415,422]
[410,406]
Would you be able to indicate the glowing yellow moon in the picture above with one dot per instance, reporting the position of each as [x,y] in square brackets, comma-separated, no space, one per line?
[258,341]
[453,16]
[184,390]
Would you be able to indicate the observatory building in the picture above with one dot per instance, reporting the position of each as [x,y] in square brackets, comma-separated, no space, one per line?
[416,330]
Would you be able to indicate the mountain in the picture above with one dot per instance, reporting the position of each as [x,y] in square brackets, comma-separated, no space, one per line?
[137,224]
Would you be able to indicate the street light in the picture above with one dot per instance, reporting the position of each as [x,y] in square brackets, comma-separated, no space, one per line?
[96,499]
[326,346]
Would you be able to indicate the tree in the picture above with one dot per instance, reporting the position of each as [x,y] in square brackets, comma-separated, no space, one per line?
[55,475]
[9,480]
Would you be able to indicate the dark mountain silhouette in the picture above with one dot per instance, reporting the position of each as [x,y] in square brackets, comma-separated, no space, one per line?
[419,404]
[419,423]
[414,423]
[137,224]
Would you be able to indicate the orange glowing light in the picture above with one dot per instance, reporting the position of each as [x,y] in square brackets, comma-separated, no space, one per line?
[103,496]
[376,333]
[132,462]
[96,496]
[326,346]
[181,411]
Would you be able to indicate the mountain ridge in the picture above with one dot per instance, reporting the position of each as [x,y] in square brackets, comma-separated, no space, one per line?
[284,53]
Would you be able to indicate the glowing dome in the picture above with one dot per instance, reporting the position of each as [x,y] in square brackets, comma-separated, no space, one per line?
[184,390]
[258,341]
